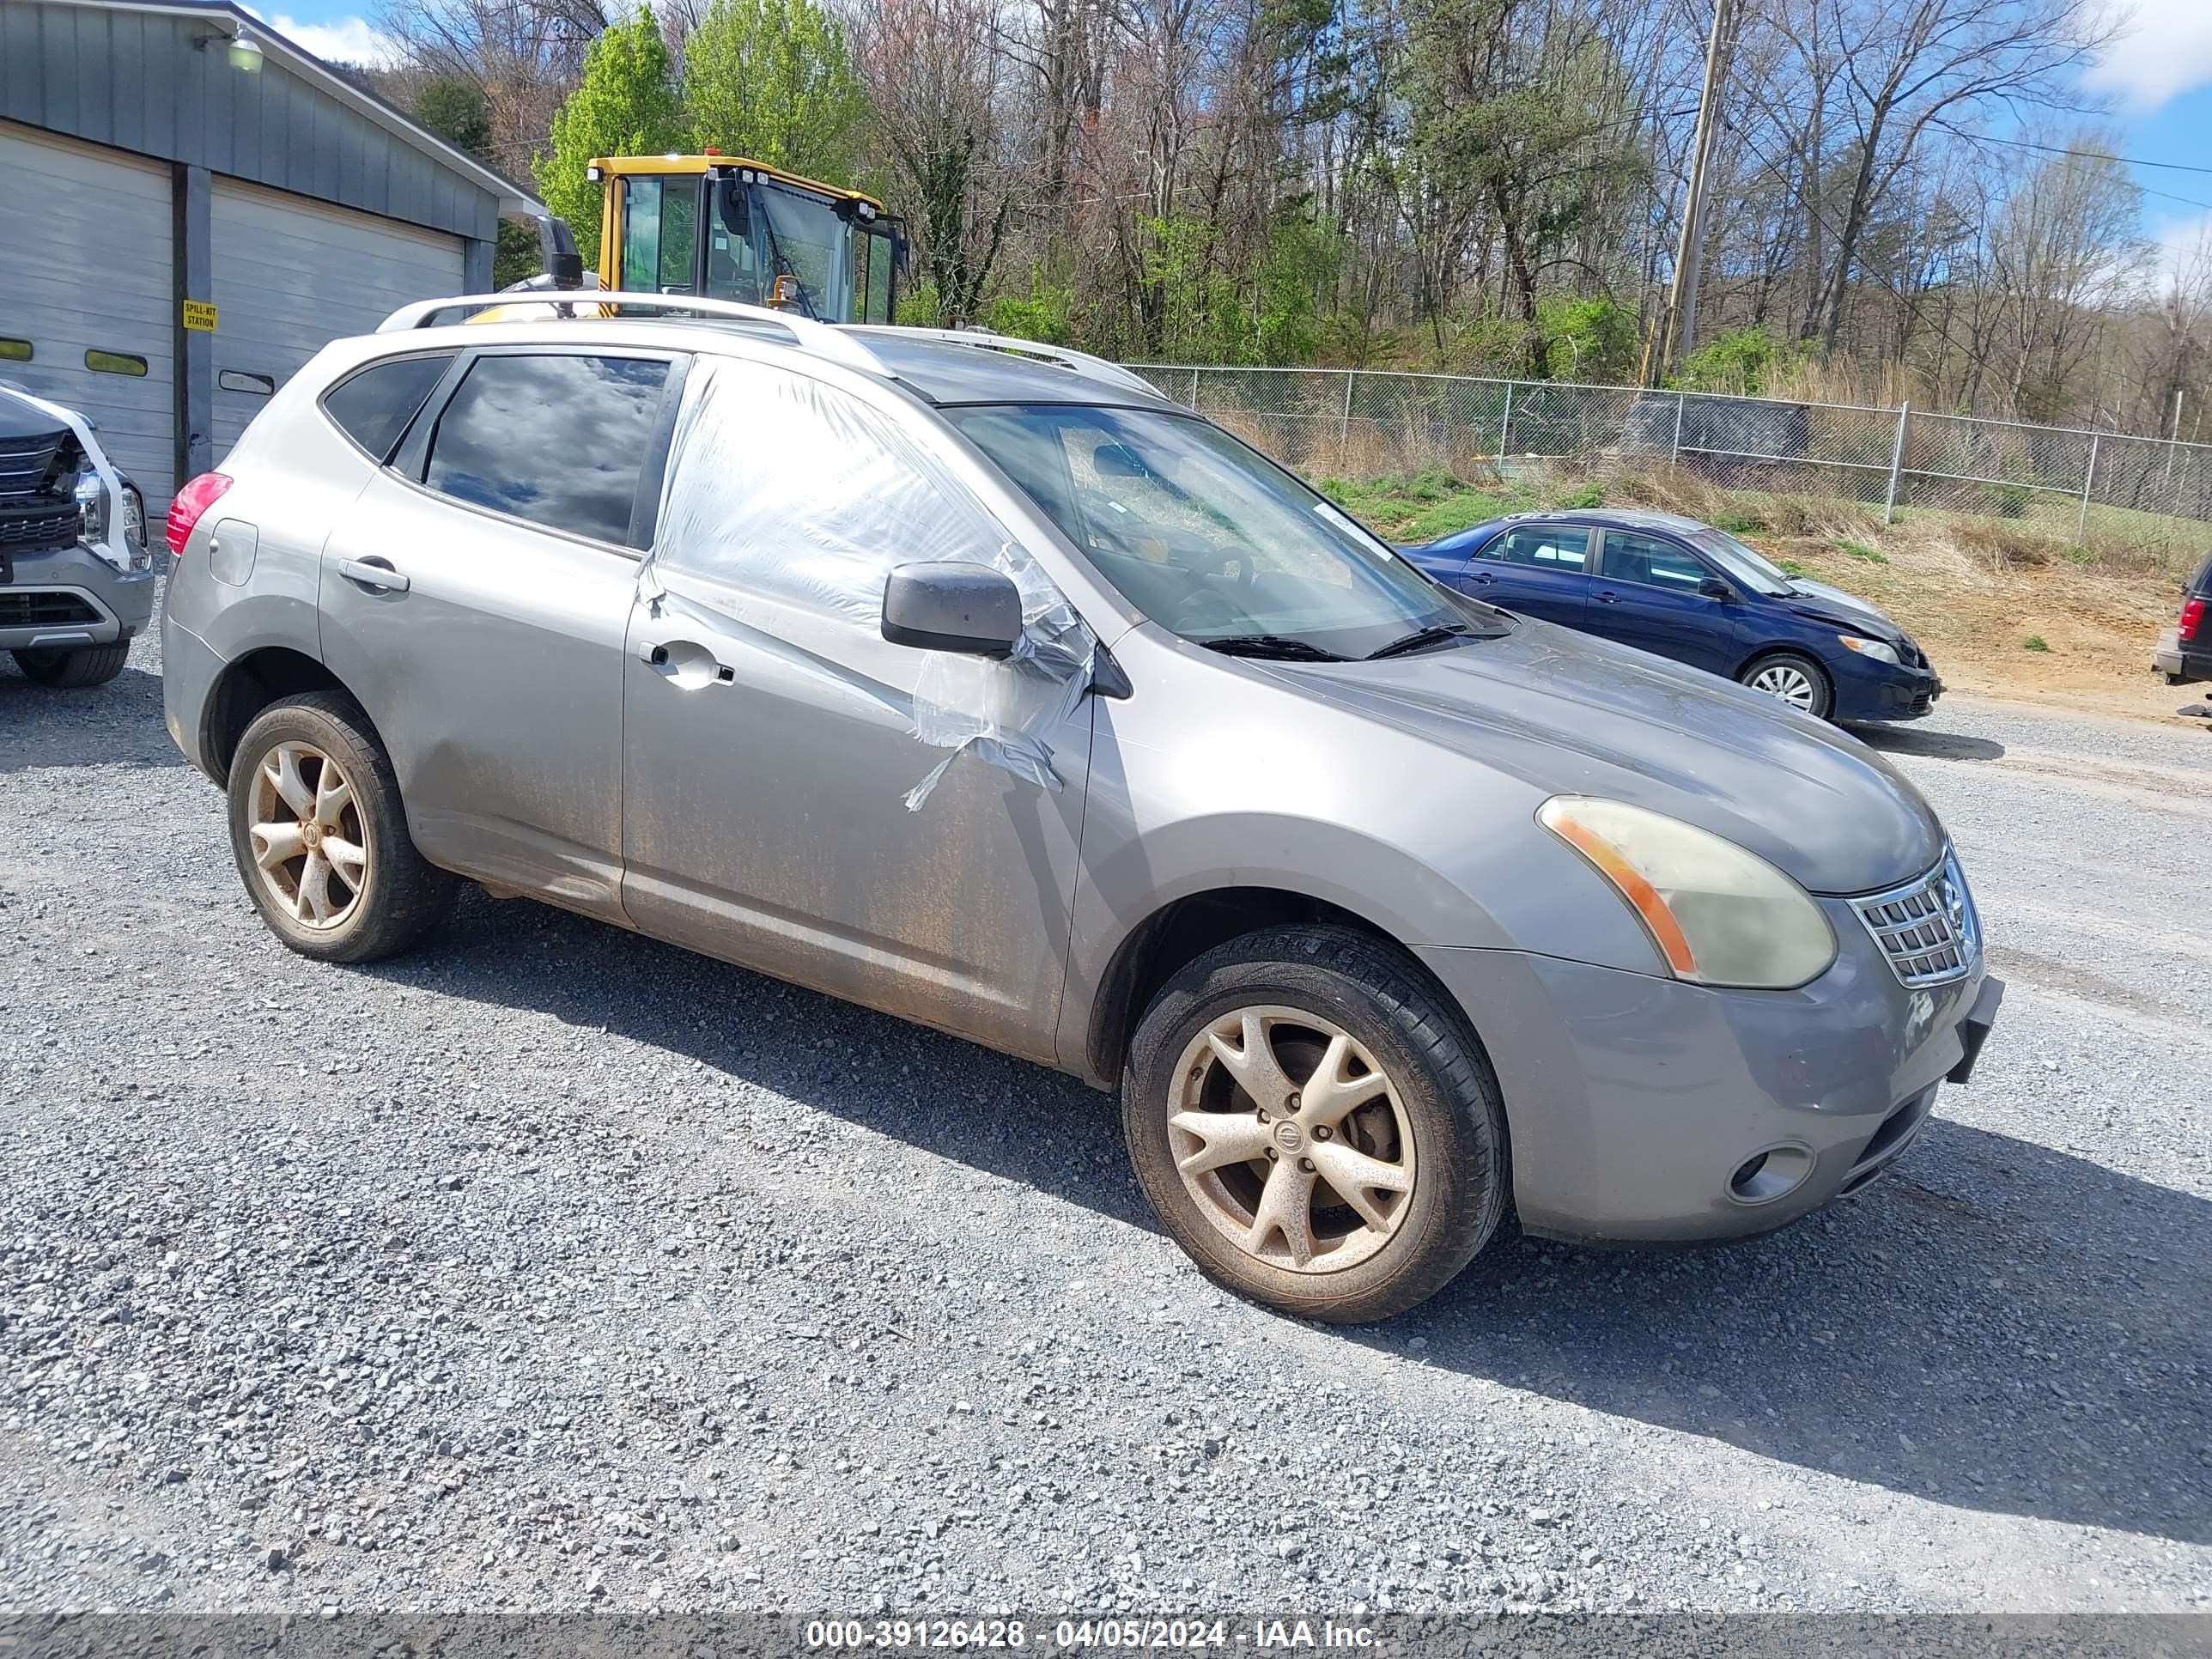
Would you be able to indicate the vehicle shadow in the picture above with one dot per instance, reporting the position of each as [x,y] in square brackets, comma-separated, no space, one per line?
[118,724]
[1938,745]
[1995,1325]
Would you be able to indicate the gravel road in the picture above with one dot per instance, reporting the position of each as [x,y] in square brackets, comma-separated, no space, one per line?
[556,1268]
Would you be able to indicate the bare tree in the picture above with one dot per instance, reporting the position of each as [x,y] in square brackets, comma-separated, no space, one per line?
[936,79]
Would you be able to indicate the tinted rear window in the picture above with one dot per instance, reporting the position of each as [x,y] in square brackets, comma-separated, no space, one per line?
[2203,582]
[373,407]
[559,441]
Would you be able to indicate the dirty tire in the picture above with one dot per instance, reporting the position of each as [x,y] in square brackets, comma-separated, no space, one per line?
[72,668]
[1439,1077]
[1821,691]
[401,894]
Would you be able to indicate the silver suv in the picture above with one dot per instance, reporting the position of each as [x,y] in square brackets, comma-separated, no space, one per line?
[974,682]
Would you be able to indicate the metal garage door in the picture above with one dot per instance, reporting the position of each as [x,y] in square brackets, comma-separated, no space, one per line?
[292,274]
[84,280]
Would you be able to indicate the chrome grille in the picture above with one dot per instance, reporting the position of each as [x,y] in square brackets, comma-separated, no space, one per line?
[1927,929]
[24,461]
[39,532]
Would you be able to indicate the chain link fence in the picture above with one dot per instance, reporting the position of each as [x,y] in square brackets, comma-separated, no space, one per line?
[1362,423]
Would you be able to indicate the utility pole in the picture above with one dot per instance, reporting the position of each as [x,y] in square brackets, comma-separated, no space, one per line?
[1679,335]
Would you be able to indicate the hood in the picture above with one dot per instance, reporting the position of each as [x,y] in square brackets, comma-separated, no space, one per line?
[1570,714]
[23,420]
[1818,602]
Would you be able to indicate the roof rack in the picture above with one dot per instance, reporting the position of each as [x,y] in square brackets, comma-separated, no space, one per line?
[1096,368]
[823,339]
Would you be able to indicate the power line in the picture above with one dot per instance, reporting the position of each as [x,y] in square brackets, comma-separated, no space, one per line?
[2085,155]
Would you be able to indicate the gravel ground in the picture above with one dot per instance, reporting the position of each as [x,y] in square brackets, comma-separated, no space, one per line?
[555,1269]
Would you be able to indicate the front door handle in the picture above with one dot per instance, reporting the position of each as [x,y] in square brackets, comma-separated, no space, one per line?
[686,662]
[374,573]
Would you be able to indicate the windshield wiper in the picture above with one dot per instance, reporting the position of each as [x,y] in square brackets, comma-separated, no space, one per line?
[1436,634]
[1279,646]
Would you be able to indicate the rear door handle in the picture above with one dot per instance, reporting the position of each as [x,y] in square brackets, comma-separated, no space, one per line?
[1481,576]
[374,573]
[1607,597]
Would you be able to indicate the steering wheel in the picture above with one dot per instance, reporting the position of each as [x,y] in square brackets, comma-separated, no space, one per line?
[1204,610]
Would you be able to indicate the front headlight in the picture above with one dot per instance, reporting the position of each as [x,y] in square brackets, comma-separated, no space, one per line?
[1874,648]
[1719,915]
[134,527]
[91,509]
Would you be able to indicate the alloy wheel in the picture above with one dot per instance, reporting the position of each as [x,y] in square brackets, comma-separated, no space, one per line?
[1788,682]
[310,842]
[1293,1139]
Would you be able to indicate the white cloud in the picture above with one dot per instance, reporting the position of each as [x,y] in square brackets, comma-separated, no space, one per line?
[2165,50]
[2183,245]
[340,40]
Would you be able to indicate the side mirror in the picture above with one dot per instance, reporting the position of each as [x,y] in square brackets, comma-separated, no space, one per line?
[557,245]
[952,605]
[1714,588]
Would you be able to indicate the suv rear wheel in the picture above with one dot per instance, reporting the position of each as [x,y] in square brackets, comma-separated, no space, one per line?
[72,668]
[1315,1124]
[320,838]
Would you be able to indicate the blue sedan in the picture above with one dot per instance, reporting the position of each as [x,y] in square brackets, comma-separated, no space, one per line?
[1684,590]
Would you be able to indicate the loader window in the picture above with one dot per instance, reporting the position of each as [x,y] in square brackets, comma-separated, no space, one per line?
[659,233]
[874,248]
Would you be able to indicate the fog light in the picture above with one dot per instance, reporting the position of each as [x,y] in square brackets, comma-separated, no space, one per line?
[1772,1173]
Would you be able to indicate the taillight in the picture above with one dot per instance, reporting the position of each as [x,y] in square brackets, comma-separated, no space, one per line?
[2192,618]
[185,507]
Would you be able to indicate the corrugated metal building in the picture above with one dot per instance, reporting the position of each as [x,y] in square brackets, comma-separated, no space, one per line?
[151,168]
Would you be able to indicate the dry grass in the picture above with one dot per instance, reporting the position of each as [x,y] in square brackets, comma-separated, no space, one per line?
[1677,490]
[1971,598]
[2004,545]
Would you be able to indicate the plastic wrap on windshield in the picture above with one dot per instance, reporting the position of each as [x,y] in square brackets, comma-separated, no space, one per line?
[801,494]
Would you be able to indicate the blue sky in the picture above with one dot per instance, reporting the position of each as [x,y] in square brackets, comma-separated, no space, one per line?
[2158,77]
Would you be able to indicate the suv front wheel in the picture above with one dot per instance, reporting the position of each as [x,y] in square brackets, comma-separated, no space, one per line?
[1315,1123]
[320,838]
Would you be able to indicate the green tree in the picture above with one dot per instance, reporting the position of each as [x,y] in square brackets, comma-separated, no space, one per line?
[772,80]
[456,109]
[625,105]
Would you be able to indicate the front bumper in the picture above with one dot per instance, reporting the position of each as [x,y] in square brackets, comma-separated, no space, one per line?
[1870,690]
[1636,1104]
[71,597]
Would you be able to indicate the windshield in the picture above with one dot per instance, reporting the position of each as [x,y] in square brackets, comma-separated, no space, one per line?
[1208,537]
[1747,564]
[804,238]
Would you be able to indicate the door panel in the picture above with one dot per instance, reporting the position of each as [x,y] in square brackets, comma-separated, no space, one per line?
[1646,595]
[480,615]
[1539,570]
[768,729]
[494,679]
[765,821]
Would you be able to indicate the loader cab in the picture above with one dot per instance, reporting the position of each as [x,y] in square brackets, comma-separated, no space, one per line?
[729,228]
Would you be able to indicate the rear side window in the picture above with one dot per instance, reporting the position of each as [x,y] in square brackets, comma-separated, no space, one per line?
[559,441]
[1548,547]
[373,408]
